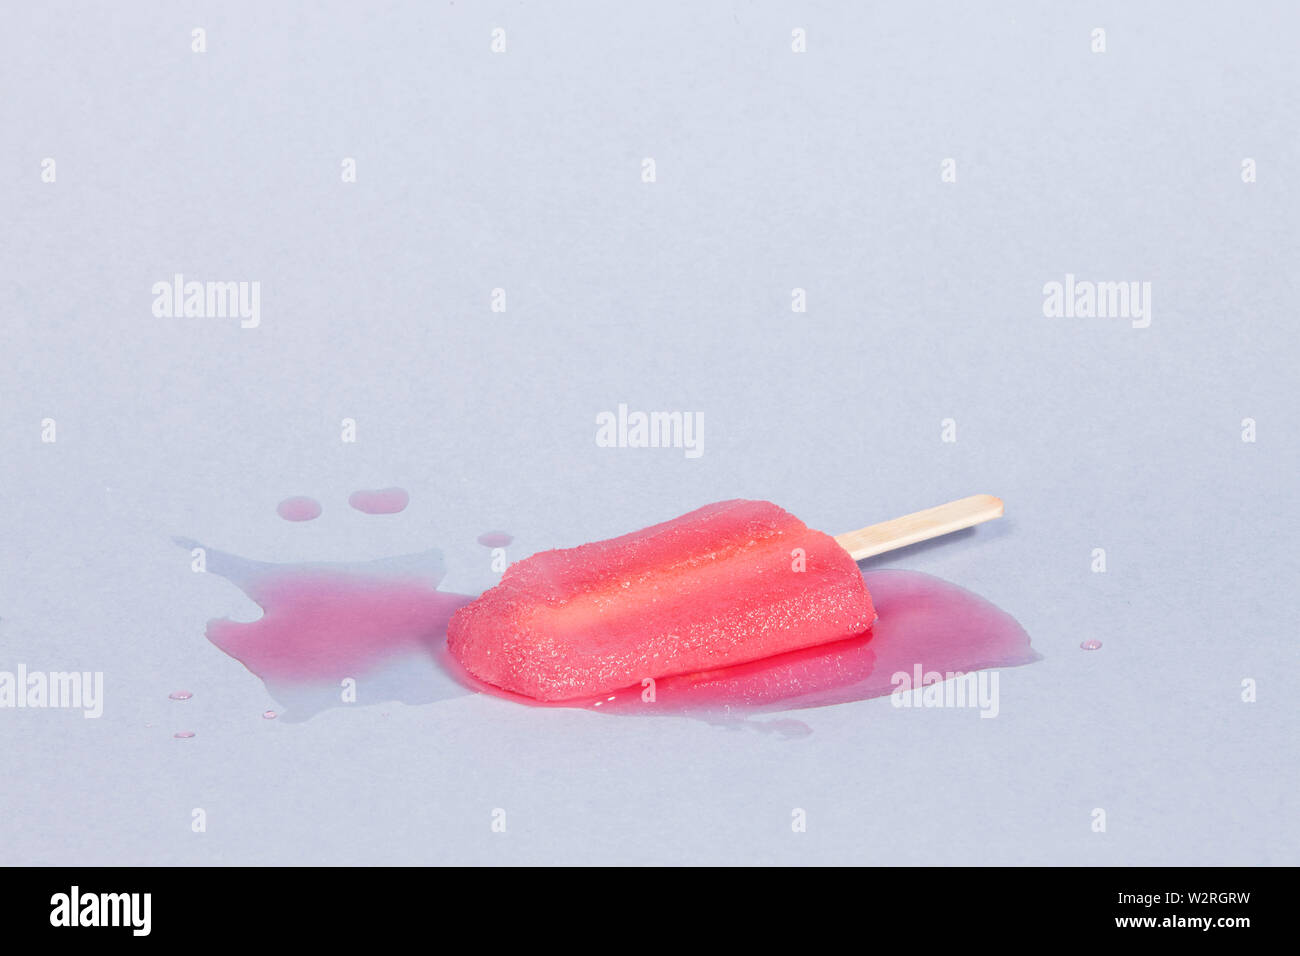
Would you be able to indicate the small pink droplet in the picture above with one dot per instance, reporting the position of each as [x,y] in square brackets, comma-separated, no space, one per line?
[183,734]
[381,501]
[1091,644]
[180,695]
[298,509]
[494,539]
[269,714]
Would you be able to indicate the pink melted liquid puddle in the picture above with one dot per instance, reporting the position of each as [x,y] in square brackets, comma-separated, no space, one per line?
[494,539]
[322,624]
[340,634]
[1091,644]
[180,695]
[923,622]
[377,631]
[298,509]
[383,501]
[183,734]
[269,715]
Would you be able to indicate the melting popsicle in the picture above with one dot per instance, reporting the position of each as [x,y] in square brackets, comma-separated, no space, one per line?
[726,584]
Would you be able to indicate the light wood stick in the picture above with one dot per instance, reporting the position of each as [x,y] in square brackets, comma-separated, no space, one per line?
[920,526]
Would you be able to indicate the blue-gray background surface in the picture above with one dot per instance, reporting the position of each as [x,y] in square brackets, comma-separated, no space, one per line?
[775,170]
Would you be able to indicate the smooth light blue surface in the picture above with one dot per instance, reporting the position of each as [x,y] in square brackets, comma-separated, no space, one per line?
[775,170]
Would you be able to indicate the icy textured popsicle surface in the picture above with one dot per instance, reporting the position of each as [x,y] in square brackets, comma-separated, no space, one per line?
[730,582]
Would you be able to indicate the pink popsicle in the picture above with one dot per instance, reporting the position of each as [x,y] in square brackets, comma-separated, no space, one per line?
[728,583]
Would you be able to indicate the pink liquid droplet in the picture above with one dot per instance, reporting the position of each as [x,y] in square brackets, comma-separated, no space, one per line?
[183,734]
[180,695]
[495,539]
[1091,644]
[383,501]
[269,715]
[298,509]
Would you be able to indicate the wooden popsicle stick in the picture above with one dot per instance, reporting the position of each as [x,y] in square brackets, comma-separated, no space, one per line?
[919,526]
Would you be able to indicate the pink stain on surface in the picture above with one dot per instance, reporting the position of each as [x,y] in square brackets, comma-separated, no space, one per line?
[334,635]
[298,509]
[322,624]
[1091,644]
[383,501]
[179,695]
[183,734]
[495,539]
